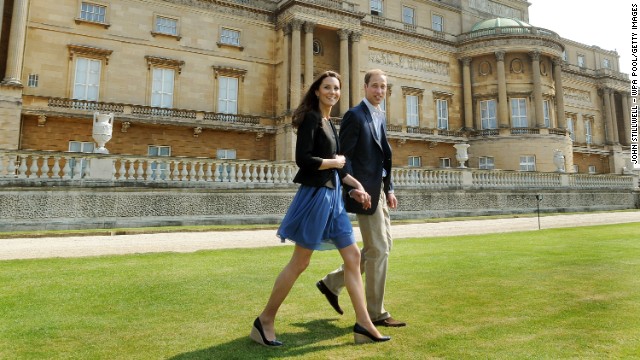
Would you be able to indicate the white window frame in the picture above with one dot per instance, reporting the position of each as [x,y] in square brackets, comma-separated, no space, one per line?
[564,55]
[546,110]
[86,82]
[592,169]
[488,114]
[519,112]
[581,61]
[412,108]
[85,147]
[444,162]
[408,15]
[162,91]
[33,80]
[571,129]
[376,7]
[588,136]
[527,163]
[229,36]
[227,98]
[93,12]
[159,169]
[437,22]
[442,107]
[166,25]
[486,163]
[606,63]
[415,161]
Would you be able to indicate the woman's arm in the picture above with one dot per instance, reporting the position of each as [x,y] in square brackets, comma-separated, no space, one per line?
[358,193]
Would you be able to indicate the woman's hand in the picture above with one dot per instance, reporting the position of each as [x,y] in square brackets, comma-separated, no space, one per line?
[340,160]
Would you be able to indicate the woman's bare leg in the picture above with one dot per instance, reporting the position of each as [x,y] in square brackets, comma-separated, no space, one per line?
[353,283]
[283,284]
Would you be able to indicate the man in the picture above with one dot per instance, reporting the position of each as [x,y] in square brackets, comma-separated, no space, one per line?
[363,140]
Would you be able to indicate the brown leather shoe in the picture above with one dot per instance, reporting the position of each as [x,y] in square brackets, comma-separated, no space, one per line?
[331,297]
[389,322]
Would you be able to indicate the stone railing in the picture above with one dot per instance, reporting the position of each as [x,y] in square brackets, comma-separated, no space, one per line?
[409,28]
[18,167]
[508,30]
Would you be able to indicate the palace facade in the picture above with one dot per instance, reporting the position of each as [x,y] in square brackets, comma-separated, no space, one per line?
[220,78]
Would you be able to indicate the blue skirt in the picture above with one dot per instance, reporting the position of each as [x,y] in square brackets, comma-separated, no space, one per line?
[317,220]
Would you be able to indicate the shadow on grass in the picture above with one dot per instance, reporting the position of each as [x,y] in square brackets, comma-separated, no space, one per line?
[295,344]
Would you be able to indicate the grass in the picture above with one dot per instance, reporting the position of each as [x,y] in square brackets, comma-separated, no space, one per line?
[571,293]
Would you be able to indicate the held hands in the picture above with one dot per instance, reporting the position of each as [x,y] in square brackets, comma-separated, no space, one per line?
[362,197]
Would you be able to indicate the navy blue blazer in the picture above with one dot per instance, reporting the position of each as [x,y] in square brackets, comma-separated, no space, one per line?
[366,156]
[316,141]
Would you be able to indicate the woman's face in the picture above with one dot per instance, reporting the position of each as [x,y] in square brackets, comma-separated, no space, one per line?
[329,92]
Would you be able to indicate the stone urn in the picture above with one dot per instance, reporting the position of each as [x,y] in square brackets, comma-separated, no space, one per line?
[461,154]
[558,160]
[102,131]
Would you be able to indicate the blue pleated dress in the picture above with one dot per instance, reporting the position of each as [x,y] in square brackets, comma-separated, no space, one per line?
[317,220]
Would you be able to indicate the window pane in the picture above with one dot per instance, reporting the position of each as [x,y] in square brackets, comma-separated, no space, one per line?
[228,95]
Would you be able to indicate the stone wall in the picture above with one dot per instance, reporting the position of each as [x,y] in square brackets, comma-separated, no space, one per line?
[61,207]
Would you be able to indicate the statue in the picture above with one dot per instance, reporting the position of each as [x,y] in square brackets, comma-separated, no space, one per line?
[102,131]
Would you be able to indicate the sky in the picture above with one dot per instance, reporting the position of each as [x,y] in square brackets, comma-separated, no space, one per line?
[605,24]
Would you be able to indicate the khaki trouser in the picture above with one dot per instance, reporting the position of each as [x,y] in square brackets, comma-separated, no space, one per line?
[377,242]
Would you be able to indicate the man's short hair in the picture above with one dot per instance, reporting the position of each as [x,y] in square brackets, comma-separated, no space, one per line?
[372,72]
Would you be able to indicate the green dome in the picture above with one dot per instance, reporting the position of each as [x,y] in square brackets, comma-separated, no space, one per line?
[497,23]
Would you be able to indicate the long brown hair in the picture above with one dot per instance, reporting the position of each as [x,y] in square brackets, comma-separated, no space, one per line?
[310,100]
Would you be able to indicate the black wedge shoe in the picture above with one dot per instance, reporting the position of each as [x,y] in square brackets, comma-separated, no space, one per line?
[363,336]
[257,335]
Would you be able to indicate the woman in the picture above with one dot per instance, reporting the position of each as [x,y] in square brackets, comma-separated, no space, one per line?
[316,219]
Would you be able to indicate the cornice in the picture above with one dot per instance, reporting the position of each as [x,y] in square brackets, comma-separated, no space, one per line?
[399,35]
[260,10]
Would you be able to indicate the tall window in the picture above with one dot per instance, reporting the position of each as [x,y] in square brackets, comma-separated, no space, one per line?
[437,22]
[81,165]
[571,128]
[519,113]
[605,63]
[415,161]
[581,62]
[546,111]
[528,163]
[376,7]
[228,95]
[93,12]
[564,55]
[165,25]
[408,15]
[162,87]
[230,37]
[159,168]
[412,110]
[587,132]
[488,114]
[86,84]
[486,162]
[443,114]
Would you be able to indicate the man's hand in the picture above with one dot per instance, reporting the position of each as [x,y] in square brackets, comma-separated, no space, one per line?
[392,201]
[362,197]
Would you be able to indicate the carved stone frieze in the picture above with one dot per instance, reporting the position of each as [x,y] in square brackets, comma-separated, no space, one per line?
[261,10]
[406,62]
[327,17]
[415,40]
[576,96]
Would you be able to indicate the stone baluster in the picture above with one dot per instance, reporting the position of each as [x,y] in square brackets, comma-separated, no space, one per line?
[254,174]
[77,167]
[208,173]
[33,169]
[140,171]
[66,169]
[232,173]
[247,173]
[216,174]
[152,174]
[55,171]
[192,170]
[201,171]
[183,172]
[22,170]
[175,174]
[122,171]
[261,173]
[44,171]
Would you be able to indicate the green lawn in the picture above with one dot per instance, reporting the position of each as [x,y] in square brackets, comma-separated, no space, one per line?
[550,294]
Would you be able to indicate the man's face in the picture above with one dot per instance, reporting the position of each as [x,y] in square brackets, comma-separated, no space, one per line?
[376,90]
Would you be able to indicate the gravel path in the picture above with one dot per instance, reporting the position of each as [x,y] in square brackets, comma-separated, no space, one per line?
[47,247]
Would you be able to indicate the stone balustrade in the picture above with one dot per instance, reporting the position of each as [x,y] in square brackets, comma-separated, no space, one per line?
[409,28]
[45,166]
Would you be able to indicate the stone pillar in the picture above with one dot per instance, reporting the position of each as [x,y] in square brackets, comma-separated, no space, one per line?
[614,118]
[607,115]
[468,99]
[537,89]
[503,107]
[343,35]
[308,54]
[296,90]
[284,83]
[626,138]
[1,15]
[356,82]
[557,74]
[17,36]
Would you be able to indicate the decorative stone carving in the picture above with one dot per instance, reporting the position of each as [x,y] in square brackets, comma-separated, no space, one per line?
[125,126]
[259,135]
[102,131]
[197,131]
[161,61]
[558,160]
[89,50]
[42,120]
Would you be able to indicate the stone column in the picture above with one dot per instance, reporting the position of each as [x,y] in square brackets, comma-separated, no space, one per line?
[1,15]
[468,100]
[343,35]
[296,25]
[284,83]
[557,74]
[17,36]
[503,107]
[626,138]
[308,54]
[614,118]
[607,115]
[537,89]
[356,82]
